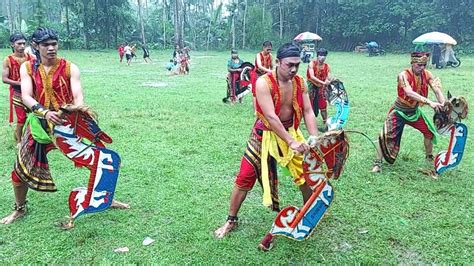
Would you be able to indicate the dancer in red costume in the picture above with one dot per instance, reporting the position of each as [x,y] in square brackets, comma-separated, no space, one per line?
[47,83]
[413,84]
[282,103]
[11,76]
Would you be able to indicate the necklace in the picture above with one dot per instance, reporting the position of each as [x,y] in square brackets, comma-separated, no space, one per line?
[276,77]
[278,81]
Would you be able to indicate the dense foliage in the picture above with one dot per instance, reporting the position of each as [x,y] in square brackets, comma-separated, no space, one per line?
[213,24]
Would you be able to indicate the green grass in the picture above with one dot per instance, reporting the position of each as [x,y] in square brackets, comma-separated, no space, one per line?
[181,148]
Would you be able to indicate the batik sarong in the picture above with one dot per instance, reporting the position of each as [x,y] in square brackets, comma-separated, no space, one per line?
[251,168]
[233,85]
[391,134]
[31,165]
[263,144]
[17,104]
[317,98]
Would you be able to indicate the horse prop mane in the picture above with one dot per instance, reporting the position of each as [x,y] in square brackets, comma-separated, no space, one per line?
[244,83]
[82,141]
[454,109]
[448,122]
[324,161]
[336,95]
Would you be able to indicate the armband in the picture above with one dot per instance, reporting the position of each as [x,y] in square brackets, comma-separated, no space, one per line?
[436,83]
[39,110]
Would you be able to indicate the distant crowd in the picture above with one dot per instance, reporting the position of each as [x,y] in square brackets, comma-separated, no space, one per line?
[177,65]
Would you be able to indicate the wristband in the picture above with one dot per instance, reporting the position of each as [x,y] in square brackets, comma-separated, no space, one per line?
[39,110]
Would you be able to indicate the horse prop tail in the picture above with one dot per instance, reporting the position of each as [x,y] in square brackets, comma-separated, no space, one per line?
[103,163]
[299,224]
[451,157]
[336,95]
[448,122]
[325,160]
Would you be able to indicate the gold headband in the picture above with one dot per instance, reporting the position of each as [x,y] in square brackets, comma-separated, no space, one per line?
[419,59]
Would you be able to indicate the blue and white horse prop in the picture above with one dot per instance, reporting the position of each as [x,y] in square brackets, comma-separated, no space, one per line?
[448,123]
[324,161]
[82,141]
[336,95]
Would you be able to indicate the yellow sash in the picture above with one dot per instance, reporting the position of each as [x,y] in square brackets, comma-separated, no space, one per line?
[272,145]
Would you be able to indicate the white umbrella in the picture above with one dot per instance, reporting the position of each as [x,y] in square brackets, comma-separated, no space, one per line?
[434,37]
[307,36]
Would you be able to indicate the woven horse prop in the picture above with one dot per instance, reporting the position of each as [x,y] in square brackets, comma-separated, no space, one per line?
[324,161]
[239,83]
[80,125]
[447,122]
[336,95]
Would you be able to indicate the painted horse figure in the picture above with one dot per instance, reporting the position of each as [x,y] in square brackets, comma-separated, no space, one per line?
[447,122]
[239,83]
[324,161]
[336,95]
[82,141]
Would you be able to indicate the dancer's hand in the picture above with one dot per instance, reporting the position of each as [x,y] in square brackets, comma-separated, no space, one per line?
[54,117]
[436,106]
[299,147]
[312,140]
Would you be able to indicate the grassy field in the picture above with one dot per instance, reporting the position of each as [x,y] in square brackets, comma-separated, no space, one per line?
[181,148]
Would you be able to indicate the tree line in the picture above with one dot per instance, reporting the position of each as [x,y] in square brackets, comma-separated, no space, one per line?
[242,24]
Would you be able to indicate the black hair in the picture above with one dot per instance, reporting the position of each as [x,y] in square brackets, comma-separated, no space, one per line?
[322,51]
[16,37]
[40,35]
[288,50]
[267,43]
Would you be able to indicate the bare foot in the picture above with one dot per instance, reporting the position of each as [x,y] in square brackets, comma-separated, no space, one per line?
[119,205]
[13,217]
[67,225]
[429,158]
[225,229]
[429,172]
[377,166]
[376,169]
